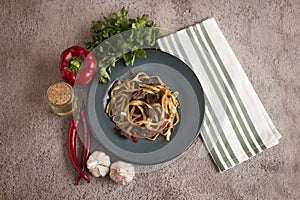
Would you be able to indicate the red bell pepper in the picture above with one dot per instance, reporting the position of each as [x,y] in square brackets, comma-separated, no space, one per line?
[71,63]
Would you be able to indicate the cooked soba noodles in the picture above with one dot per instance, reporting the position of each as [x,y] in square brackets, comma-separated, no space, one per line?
[143,106]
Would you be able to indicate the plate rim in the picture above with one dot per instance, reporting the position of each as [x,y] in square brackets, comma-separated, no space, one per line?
[186,147]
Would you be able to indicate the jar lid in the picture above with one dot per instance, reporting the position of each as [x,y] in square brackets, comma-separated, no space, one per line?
[59,93]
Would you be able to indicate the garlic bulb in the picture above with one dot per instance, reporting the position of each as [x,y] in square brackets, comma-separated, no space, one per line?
[98,164]
[121,172]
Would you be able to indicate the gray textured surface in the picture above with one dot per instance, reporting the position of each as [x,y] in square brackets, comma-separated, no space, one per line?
[34,164]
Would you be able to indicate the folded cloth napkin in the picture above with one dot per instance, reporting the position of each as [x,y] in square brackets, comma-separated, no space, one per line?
[236,126]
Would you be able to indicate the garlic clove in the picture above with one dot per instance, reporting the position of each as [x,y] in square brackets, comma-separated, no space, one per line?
[103,170]
[94,172]
[92,164]
[99,171]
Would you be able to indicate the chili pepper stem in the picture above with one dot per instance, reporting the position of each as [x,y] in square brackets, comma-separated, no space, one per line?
[77,180]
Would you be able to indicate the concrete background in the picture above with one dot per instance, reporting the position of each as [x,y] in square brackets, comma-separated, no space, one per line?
[34,162]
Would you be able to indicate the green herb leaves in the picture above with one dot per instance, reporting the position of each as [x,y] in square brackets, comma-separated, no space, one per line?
[109,46]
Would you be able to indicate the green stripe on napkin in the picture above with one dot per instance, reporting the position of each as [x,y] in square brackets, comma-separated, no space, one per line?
[236,126]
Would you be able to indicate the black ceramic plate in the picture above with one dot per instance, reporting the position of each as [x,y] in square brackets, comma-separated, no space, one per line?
[175,74]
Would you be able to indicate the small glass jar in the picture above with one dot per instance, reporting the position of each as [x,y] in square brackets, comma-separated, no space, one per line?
[60,98]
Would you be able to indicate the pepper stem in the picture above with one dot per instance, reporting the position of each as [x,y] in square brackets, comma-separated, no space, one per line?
[74,64]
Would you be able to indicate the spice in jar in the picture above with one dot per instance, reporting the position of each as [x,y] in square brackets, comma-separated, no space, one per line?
[60,97]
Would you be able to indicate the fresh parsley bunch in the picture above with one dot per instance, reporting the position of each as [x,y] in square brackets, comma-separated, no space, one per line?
[136,33]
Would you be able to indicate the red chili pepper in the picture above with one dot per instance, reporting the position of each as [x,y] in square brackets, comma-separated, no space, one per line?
[86,143]
[72,149]
[135,138]
[71,60]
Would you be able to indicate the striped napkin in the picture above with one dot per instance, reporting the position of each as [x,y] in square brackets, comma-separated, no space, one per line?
[236,126]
